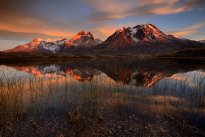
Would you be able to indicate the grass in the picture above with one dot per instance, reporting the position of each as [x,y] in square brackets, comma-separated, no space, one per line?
[25,96]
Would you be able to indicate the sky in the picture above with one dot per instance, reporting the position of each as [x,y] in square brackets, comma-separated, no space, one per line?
[23,20]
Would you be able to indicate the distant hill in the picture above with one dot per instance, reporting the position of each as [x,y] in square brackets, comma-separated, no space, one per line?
[203,41]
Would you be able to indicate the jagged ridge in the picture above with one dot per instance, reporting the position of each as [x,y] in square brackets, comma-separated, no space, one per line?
[137,35]
[85,39]
[143,39]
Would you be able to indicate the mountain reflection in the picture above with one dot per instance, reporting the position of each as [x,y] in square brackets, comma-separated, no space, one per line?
[143,73]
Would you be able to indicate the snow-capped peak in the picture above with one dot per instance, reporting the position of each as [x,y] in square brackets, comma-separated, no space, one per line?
[29,47]
[49,45]
[144,32]
[148,32]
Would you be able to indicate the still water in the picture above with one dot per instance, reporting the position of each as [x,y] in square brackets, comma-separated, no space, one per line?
[151,91]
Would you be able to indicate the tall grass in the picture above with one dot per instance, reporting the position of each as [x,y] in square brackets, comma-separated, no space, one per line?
[44,97]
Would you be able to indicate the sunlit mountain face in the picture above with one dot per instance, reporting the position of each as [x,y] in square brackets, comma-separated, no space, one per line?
[82,39]
[106,68]
[57,20]
[142,73]
[145,39]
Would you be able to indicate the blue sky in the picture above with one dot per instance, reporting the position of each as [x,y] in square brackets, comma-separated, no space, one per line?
[23,20]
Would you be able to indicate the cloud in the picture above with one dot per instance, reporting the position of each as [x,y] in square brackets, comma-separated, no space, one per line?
[193,29]
[69,16]
[117,9]
[103,31]
[49,17]
[65,18]
[23,36]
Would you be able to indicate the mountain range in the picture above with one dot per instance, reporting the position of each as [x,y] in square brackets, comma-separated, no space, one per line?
[38,45]
[140,39]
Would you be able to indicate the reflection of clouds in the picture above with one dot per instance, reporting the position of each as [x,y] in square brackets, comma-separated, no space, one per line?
[110,91]
[188,30]
[9,72]
[124,77]
[191,79]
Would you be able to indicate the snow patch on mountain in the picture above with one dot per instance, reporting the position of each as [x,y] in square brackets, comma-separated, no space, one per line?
[141,33]
[133,32]
[85,39]
[53,46]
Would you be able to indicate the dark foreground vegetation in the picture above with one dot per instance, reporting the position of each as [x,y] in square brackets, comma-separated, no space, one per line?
[61,106]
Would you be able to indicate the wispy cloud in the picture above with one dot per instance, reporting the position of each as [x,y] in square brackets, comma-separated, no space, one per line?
[37,28]
[23,36]
[117,9]
[65,18]
[193,29]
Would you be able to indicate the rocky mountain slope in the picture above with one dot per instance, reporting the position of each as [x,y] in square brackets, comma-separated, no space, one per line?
[145,39]
[82,39]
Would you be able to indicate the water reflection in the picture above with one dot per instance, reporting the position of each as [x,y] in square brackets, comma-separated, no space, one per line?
[143,73]
[147,90]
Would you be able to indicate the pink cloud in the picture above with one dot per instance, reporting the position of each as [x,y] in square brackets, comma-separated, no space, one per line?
[193,29]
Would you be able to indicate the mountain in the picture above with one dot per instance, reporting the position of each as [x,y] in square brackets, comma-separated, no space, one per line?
[145,39]
[52,46]
[29,47]
[82,39]
[138,35]
[39,45]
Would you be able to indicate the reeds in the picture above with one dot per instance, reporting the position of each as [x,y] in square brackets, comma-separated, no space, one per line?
[46,97]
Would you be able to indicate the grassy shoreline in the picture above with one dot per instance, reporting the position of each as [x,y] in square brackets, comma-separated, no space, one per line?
[62,106]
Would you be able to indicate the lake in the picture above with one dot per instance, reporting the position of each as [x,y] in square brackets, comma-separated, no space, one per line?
[103,97]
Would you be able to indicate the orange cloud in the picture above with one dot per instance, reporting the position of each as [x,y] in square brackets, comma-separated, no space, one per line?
[103,32]
[121,9]
[40,30]
[188,30]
